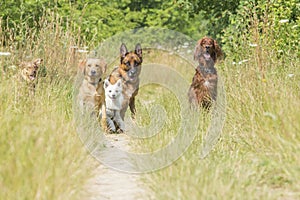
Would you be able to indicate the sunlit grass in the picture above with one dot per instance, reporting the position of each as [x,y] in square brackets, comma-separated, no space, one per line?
[257,154]
[41,154]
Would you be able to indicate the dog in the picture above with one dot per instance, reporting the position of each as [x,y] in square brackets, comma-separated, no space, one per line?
[210,46]
[114,100]
[91,92]
[129,71]
[29,73]
[203,90]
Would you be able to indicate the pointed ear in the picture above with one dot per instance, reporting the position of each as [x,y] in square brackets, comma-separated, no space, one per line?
[119,83]
[138,50]
[106,83]
[123,51]
[218,50]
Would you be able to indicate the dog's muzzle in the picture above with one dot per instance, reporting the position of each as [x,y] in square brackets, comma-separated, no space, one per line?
[132,73]
[93,72]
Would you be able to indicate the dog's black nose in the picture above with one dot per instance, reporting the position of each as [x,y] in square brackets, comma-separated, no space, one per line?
[93,72]
[207,47]
[113,95]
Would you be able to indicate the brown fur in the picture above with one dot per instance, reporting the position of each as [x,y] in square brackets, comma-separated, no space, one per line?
[91,93]
[129,71]
[29,73]
[210,46]
[203,90]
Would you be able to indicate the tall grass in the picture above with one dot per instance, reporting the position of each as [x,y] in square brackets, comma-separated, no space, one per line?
[41,155]
[257,156]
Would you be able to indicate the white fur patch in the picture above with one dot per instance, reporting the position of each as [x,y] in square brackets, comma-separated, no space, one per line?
[113,95]
[206,83]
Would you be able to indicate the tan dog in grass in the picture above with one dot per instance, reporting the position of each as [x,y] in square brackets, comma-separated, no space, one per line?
[29,73]
[91,92]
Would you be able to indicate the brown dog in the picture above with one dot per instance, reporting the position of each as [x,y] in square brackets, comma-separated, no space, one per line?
[129,71]
[209,46]
[203,90]
[29,73]
[91,92]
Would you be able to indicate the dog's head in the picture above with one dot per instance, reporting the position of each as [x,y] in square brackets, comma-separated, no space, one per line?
[209,46]
[113,91]
[30,69]
[94,68]
[131,62]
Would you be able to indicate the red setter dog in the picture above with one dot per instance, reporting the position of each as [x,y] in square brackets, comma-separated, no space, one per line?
[203,90]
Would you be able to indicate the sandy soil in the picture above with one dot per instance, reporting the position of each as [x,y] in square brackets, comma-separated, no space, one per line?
[109,183]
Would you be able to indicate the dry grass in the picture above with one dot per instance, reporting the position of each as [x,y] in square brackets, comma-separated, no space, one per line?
[41,155]
[257,154]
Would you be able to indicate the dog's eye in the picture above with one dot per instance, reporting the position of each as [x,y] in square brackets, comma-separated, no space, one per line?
[89,65]
[97,65]
[109,91]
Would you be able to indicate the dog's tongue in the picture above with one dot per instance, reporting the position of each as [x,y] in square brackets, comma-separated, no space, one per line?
[31,78]
[206,56]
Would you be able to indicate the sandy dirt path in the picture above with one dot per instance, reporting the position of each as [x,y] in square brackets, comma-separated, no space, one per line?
[109,183]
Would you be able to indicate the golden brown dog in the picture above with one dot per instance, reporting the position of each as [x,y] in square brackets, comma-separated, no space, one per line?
[91,92]
[29,73]
[129,71]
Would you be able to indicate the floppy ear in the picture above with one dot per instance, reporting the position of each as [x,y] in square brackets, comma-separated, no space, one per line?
[104,67]
[84,71]
[123,51]
[81,66]
[218,50]
[197,50]
[138,51]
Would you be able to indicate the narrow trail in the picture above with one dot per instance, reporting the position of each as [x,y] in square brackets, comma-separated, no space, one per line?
[109,183]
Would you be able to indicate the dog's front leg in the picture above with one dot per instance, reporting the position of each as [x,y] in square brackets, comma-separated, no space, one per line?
[132,104]
[119,121]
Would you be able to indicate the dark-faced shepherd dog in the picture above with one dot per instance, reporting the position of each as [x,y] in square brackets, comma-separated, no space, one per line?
[129,71]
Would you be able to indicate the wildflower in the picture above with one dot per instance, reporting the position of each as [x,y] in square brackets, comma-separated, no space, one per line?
[5,53]
[252,45]
[283,21]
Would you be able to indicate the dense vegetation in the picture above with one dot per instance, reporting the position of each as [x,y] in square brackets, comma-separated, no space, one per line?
[258,155]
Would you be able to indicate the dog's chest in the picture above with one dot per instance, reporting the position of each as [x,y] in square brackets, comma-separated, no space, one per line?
[129,89]
[114,104]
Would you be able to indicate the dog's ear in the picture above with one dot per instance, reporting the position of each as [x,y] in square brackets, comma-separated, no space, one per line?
[138,51]
[104,67]
[123,51]
[198,49]
[218,51]
[119,83]
[81,66]
[38,61]
[106,83]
